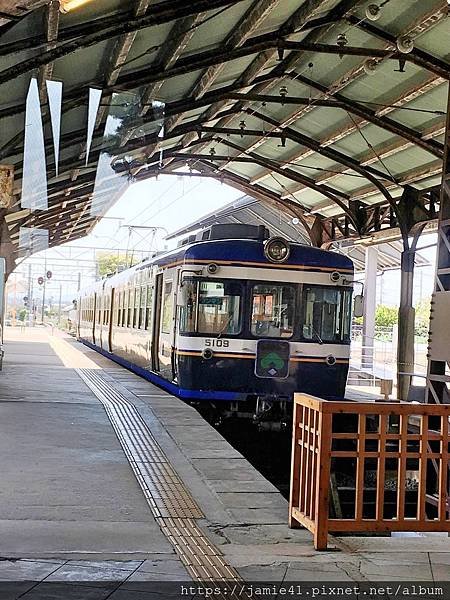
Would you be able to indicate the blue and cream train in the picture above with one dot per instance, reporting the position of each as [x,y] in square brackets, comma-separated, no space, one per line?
[232,318]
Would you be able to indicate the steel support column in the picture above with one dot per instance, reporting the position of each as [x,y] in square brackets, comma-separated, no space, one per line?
[370,303]
[439,341]
[7,248]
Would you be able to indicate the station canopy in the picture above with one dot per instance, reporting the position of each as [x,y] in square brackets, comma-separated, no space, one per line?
[247,210]
[332,111]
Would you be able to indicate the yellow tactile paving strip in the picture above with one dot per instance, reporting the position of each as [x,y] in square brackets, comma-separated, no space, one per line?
[160,483]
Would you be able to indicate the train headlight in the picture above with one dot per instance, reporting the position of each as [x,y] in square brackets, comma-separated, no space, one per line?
[330,360]
[277,250]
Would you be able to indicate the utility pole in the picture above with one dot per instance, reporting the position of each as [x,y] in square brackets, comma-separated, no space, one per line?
[32,305]
[29,296]
[15,300]
[43,290]
[59,309]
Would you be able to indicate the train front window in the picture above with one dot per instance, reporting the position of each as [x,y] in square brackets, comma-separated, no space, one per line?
[188,313]
[212,308]
[167,308]
[273,311]
[327,314]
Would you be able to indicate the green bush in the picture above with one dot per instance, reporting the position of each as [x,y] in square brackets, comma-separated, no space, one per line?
[422,320]
[387,316]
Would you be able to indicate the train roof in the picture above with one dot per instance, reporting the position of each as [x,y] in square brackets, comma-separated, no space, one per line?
[237,252]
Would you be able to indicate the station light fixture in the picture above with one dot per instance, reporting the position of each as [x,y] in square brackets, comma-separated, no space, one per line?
[67,5]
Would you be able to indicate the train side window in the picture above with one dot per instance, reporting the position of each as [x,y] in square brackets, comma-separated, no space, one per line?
[188,312]
[124,309]
[136,307]
[167,310]
[273,311]
[148,308]
[130,308]
[142,308]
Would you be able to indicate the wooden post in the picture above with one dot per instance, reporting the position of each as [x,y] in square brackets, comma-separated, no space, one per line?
[323,482]
[444,496]
[295,466]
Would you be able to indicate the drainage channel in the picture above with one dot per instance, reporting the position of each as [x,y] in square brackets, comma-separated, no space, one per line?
[173,507]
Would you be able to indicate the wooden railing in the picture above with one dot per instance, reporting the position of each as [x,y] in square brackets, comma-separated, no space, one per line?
[369,466]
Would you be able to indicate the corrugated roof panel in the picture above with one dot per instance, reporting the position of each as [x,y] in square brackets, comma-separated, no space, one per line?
[355,145]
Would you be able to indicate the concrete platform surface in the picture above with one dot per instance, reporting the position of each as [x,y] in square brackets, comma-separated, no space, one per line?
[66,486]
[71,510]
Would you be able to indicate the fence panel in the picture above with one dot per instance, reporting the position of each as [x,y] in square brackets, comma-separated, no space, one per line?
[393,467]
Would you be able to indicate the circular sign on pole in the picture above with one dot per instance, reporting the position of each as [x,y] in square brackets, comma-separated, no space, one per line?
[49,274]
[40,280]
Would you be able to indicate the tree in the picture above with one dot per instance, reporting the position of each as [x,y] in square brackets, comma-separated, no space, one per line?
[386,316]
[422,321]
[112,263]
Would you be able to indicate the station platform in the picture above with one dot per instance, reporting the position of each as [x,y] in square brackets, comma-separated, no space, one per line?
[110,484]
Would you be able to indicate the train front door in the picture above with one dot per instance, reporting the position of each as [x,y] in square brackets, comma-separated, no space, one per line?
[156,323]
[94,319]
[166,324]
[111,318]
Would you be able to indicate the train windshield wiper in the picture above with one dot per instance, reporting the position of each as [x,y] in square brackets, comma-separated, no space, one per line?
[320,340]
[225,326]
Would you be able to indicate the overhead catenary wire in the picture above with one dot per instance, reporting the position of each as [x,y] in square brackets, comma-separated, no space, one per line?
[370,146]
[158,211]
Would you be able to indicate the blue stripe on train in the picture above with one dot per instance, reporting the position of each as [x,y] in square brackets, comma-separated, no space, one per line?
[242,251]
[164,383]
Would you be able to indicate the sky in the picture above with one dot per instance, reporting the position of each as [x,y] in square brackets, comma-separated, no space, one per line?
[167,204]
[170,202]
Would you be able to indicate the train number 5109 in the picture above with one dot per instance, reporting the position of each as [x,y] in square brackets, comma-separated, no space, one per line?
[217,343]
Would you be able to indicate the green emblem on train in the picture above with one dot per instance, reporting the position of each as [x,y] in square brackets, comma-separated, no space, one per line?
[272,359]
